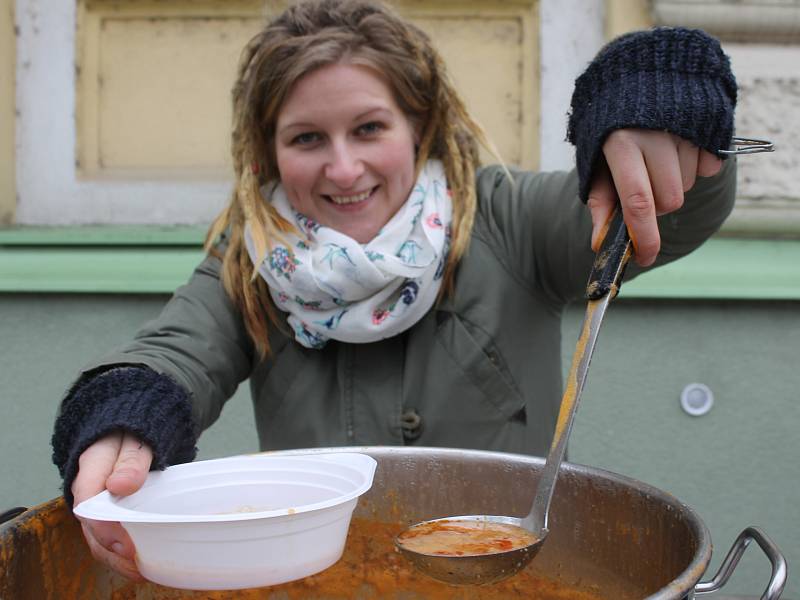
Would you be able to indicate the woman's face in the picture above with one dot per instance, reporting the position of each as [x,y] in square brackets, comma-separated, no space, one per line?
[345,150]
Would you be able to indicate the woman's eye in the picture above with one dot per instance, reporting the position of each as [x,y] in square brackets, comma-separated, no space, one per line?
[370,128]
[305,138]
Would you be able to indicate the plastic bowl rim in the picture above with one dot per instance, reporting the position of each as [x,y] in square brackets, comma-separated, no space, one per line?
[105,506]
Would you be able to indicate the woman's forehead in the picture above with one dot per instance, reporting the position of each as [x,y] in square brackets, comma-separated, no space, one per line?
[341,87]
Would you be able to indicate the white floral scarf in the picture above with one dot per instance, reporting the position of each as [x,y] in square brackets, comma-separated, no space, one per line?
[336,288]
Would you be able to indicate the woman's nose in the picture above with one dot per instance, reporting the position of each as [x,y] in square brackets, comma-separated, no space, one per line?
[344,167]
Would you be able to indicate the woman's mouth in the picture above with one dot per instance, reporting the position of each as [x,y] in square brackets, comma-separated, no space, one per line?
[350,199]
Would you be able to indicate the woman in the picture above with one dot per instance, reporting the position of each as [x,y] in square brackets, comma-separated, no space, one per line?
[374,284]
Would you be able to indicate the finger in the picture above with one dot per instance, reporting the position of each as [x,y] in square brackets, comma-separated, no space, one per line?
[94,466]
[123,565]
[131,467]
[708,164]
[601,203]
[688,156]
[664,170]
[629,172]
[96,463]
[111,536]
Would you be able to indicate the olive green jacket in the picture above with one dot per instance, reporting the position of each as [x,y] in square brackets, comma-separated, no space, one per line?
[480,370]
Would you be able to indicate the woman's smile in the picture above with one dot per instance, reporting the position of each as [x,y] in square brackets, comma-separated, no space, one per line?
[351,199]
[345,149]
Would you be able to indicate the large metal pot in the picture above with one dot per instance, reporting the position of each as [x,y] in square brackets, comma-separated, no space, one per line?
[611,538]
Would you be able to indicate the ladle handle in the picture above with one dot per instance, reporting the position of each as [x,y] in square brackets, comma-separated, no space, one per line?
[610,261]
[605,281]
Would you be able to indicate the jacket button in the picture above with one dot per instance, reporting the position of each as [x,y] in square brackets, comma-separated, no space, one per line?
[411,423]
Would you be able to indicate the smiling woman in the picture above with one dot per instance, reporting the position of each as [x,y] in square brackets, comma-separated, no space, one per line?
[375,282]
[345,149]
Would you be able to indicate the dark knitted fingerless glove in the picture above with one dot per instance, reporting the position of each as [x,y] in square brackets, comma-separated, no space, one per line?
[677,80]
[131,399]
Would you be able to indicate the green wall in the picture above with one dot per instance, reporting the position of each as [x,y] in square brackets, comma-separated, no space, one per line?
[736,466]
[45,341]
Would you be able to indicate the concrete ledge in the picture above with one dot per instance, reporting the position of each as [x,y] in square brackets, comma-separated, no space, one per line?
[725,268]
[159,259]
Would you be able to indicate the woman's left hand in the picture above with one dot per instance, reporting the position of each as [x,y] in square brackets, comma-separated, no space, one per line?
[648,171]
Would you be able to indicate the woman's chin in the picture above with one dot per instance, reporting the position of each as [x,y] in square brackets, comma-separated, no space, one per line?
[362,236]
[358,228]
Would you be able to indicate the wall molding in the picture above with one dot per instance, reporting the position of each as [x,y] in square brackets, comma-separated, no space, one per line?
[769,21]
[151,260]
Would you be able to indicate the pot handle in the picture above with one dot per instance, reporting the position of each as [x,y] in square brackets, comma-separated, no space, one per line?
[776,582]
[11,513]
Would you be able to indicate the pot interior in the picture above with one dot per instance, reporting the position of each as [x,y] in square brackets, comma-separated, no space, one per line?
[610,538]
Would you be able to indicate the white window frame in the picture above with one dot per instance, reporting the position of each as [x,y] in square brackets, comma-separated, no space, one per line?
[49,189]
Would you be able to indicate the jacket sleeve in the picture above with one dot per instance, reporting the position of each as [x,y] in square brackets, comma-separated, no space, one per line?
[199,341]
[168,384]
[133,399]
[541,230]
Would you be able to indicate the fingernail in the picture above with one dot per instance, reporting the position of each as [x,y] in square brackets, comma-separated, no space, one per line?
[633,242]
[117,548]
[594,244]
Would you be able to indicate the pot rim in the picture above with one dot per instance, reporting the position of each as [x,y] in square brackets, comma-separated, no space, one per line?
[679,587]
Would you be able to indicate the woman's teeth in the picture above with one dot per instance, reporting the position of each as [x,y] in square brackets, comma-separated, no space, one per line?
[350,199]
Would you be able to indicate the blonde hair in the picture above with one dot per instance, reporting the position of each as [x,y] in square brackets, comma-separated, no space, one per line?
[307,36]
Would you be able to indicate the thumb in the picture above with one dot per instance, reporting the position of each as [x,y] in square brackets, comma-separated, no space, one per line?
[95,465]
[130,470]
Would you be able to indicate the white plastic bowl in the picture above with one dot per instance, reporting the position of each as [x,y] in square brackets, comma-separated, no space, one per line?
[240,522]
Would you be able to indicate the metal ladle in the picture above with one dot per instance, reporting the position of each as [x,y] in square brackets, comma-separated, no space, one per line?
[604,284]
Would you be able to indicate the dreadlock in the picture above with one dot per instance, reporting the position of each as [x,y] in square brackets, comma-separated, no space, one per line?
[305,37]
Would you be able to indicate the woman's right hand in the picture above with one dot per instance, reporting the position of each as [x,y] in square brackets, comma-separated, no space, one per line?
[118,462]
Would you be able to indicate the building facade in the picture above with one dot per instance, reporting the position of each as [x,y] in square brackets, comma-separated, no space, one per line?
[114,119]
